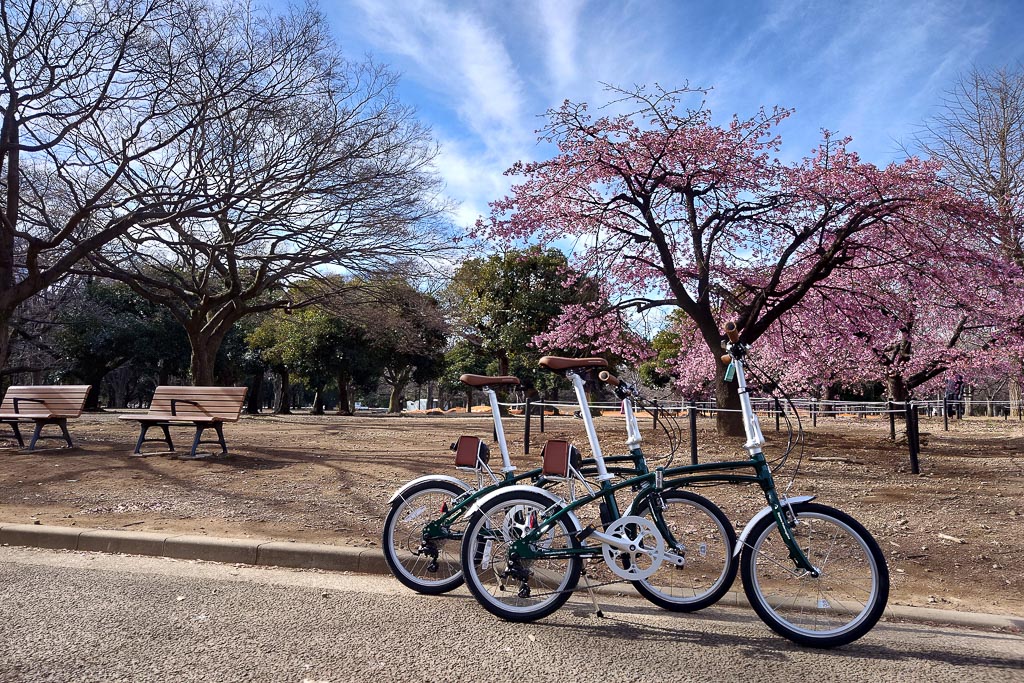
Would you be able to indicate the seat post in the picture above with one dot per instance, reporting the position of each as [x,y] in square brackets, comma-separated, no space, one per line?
[499,431]
[588,422]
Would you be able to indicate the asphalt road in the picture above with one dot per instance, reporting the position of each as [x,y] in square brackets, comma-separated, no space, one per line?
[68,616]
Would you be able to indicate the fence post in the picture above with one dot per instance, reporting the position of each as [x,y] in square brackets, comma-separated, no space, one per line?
[655,402]
[945,414]
[778,409]
[693,433]
[814,412]
[892,420]
[526,429]
[913,444]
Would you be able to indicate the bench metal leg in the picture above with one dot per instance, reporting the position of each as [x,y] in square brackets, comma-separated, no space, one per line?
[217,427]
[60,422]
[63,424]
[17,433]
[142,436]
[220,437]
[196,441]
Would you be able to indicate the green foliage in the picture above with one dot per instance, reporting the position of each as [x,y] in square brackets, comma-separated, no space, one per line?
[499,304]
[667,346]
[108,326]
[384,327]
[462,358]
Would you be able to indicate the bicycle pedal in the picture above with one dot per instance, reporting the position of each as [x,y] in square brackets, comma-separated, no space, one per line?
[585,533]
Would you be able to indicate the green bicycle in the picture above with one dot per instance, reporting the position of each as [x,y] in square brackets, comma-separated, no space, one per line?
[812,573]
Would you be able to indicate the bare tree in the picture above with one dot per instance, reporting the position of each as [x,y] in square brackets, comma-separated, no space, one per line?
[319,166]
[978,134]
[89,95]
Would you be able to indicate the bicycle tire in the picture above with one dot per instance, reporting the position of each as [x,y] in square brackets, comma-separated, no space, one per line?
[491,575]
[840,605]
[706,538]
[402,537]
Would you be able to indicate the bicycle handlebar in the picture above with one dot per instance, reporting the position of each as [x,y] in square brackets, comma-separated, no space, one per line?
[609,378]
[732,332]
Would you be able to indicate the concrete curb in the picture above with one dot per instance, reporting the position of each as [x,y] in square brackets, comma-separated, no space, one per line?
[191,547]
[339,558]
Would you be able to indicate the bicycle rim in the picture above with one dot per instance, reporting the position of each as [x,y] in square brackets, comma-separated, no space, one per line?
[513,589]
[433,566]
[703,536]
[834,608]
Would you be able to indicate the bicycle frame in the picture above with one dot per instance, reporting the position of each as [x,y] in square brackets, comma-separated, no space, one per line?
[652,483]
[441,527]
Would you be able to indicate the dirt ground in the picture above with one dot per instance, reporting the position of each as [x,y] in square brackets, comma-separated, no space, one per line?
[953,536]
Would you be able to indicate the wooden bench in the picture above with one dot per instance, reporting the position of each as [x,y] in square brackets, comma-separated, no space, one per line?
[43,405]
[201,407]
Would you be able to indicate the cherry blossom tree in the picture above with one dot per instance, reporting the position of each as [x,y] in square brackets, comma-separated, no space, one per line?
[926,301]
[673,210]
[978,134]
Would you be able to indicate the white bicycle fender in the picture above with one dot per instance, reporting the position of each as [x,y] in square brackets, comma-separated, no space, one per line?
[555,500]
[429,477]
[764,512]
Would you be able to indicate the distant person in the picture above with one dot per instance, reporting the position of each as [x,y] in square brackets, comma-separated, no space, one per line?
[954,394]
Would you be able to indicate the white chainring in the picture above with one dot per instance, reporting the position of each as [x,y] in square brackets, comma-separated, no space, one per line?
[648,543]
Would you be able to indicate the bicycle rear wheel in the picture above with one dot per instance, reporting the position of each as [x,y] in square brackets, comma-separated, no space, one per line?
[508,587]
[429,566]
[835,608]
[703,535]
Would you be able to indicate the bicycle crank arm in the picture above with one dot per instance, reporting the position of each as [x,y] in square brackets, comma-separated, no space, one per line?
[623,544]
[673,559]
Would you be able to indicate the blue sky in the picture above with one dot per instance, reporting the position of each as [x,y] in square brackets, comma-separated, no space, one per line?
[481,71]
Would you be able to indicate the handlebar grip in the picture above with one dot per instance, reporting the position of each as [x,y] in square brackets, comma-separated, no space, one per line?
[608,378]
[732,332]
[726,359]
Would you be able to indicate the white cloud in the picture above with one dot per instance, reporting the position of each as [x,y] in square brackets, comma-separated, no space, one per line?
[461,57]
[560,23]
[458,55]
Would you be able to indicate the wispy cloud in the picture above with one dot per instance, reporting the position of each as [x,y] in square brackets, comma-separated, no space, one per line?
[463,59]
[559,21]
[482,71]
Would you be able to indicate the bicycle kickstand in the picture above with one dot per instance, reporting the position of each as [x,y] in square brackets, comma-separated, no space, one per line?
[590,592]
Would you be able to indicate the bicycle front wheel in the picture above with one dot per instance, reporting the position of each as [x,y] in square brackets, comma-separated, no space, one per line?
[430,565]
[703,537]
[838,606]
[513,588]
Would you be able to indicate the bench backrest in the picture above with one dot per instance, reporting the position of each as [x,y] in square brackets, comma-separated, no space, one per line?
[222,403]
[46,401]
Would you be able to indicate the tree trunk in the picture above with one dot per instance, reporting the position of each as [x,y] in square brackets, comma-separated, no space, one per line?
[92,400]
[729,422]
[118,381]
[5,340]
[318,401]
[1014,388]
[284,399]
[344,406]
[204,353]
[896,389]
[395,399]
[255,395]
